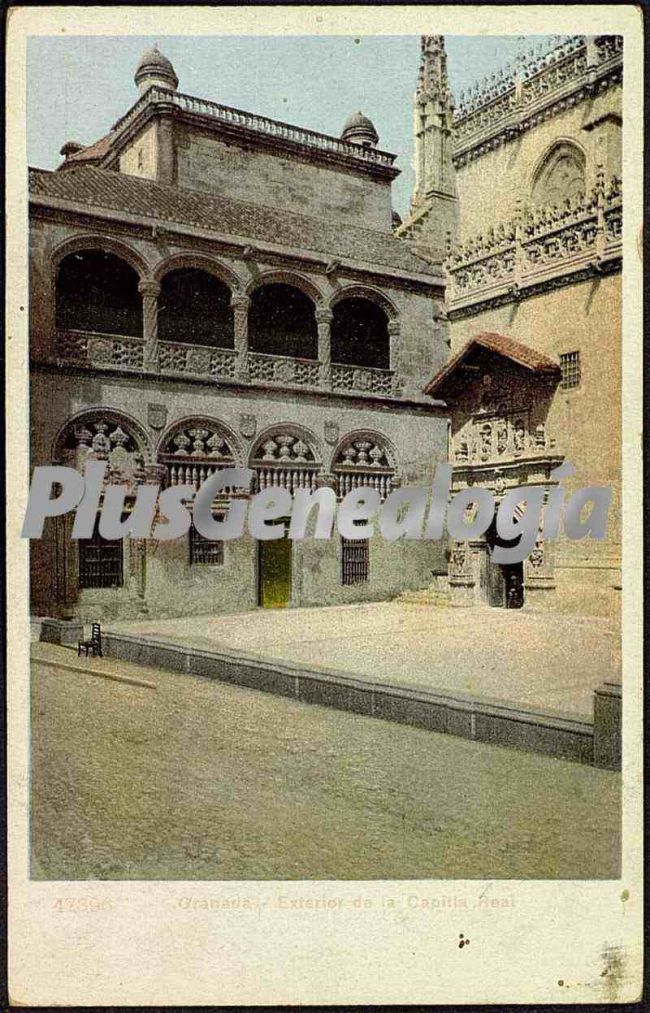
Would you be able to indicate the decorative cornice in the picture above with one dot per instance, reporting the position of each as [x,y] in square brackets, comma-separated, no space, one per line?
[541,86]
[543,248]
[123,223]
[237,388]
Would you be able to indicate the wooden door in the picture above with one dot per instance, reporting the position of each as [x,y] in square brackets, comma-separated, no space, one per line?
[275,573]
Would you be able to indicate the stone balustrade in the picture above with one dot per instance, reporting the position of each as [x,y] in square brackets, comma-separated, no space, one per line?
[116,351]
[283,369]
[363,379]
[173,358]
[196,360]
[259,124]
[541,245]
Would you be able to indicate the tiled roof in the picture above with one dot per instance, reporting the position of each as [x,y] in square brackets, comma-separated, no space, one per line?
[523,355]
[92,151]
[113,191]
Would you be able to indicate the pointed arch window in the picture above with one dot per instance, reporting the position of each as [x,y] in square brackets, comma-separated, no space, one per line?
[561,176]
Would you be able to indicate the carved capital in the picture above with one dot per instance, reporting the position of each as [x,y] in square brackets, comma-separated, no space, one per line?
[323,315]
[394,328]
[149,288]
[240,303]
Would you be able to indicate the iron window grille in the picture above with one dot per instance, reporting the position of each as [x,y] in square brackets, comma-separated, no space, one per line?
[204,550]
[571,373]
[355,560]
[100,561]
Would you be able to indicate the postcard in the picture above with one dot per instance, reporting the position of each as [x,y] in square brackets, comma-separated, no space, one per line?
[324,505]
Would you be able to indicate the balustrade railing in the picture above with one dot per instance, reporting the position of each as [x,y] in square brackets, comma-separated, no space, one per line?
[286,476]
[208,363]
[380,479]
[91,348]
[365,379]
[260,124]
[536,76]
[585,231]
[283,369]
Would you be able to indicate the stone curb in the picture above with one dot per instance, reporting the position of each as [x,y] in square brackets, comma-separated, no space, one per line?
[551,733]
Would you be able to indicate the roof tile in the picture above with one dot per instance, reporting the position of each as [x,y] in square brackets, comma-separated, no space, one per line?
[113,191]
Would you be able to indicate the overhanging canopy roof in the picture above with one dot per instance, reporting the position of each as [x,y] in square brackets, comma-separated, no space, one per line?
[455,374]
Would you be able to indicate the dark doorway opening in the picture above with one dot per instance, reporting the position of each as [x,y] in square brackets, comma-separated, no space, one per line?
[282,321]
[504,581]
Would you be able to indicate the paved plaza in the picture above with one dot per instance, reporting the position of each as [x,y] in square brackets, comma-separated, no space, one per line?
[548,661]
[155,775]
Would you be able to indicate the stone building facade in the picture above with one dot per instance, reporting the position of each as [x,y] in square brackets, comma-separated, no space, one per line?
[209,288]
[530,162]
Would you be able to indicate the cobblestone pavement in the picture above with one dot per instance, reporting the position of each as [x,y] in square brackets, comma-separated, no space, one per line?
[193,779]
[543,660]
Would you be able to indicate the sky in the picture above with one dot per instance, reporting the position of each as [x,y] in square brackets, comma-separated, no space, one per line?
[78,86]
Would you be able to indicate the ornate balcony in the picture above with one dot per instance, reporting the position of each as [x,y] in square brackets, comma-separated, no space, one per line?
[175,358]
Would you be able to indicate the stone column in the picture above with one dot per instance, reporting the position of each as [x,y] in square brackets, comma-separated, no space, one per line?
[150,290]
[393,335]
[324,322]
[240,305]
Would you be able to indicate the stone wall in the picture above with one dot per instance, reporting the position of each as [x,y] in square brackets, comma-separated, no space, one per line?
[594,126]
[158,579]
[584,422]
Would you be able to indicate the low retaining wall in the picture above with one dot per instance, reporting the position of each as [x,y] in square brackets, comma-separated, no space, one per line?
[456,714]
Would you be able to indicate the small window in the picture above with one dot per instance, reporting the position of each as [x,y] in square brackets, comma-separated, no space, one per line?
[570,366]
[355,560]
[100,561]
[203,550]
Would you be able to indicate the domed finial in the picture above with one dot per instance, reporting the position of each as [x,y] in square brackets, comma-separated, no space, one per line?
[359,129]
[155,69]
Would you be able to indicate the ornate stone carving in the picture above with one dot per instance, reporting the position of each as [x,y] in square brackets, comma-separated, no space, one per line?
[193,451]
[364,462]
[546,80]
[104,437]
[538,249]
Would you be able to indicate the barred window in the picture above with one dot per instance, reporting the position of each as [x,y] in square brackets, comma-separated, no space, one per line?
[570,366]
[203,550]
[100,561]
[355,560]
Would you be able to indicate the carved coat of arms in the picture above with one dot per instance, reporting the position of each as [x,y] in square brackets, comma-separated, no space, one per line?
[157,416]
[331,433]
[247,425]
